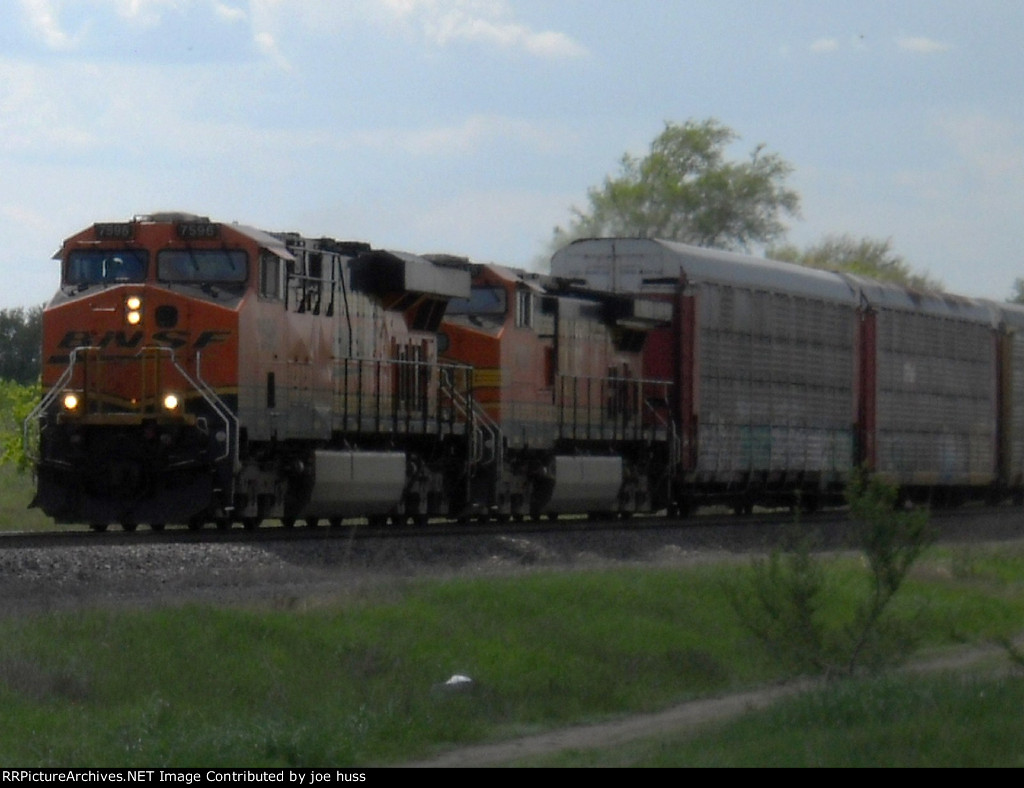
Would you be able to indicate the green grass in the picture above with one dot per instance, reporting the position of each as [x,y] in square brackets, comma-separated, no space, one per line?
[16,491]
[357,681]
[937,721]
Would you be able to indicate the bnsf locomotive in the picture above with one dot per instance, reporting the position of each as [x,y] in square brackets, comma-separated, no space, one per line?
[197,371]
[203,372]
[200,372]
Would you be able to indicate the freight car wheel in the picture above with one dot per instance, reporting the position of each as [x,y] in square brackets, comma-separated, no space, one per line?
[129,526]
[251,523]
[195,523]
[157,527]
[98,527]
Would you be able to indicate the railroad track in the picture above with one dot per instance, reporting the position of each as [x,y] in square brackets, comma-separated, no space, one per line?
[79,569]
[831,529]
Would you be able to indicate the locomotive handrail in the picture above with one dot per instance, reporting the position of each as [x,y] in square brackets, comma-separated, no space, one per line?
[600,407]
[205,391]
[497,454]
[369,398]
[215,402]
[48,399]
[367,403]
[480,421]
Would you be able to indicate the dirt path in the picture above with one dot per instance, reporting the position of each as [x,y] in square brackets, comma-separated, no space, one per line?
[684,718]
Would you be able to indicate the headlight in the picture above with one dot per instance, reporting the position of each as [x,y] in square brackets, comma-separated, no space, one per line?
[133,310]
[71,401]
[171,402]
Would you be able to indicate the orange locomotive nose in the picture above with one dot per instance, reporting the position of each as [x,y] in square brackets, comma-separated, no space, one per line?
[140,366]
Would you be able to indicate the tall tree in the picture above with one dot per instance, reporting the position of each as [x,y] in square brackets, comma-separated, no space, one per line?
[21,339]
[686,190]
[868,257]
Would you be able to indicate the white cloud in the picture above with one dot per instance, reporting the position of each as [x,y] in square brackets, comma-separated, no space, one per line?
[480,21]
[229,13]
[439,22]
[146,12]
[42,16]
[823,45]
[267,44]
[467,23]
[920,45]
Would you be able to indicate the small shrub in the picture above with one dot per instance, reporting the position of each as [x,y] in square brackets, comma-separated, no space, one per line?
[892,540]
[781,602]
[16,402]
[780,605]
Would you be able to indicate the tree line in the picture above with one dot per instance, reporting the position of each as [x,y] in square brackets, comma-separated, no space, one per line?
[21,341]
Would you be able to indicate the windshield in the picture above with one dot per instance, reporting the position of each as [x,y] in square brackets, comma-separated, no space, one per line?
[481,301]
[201,265]
[96,266]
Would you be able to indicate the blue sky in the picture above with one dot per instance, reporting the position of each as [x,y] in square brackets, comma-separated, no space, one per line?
[473,126]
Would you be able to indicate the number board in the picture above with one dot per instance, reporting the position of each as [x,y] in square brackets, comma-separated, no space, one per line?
[114,231]
[198,230]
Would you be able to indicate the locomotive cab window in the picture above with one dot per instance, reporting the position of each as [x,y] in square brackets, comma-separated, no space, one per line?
[524,308]
[98,266]
[202,265]
[271,271]
[481,301]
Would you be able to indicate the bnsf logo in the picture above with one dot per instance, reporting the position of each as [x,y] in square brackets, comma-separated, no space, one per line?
[122,339]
